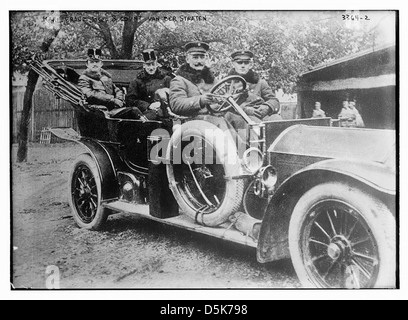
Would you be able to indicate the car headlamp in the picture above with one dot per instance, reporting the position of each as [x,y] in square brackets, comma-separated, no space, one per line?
[266,181]
[269,177]
[252,160]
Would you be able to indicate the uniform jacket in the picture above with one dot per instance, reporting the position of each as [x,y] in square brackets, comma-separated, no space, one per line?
[99,89]
[142,88]
[261,88]
[186,88]
[318,113]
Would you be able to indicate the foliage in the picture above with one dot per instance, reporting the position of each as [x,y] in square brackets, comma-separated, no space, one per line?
[29,32]
[285,43]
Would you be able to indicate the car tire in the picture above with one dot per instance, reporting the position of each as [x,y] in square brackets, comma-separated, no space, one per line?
[85,194]
[327,253]
[224,147]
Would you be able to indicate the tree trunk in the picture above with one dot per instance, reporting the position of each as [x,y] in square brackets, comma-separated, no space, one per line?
[25,117]
[32,79]
[127,44]
[128,35]
[107,36]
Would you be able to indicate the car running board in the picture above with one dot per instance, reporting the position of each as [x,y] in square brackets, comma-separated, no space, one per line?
[228,232]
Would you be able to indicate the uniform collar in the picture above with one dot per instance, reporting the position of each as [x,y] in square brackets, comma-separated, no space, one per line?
[196,76]
[97,75]
[251,76]
[143,75]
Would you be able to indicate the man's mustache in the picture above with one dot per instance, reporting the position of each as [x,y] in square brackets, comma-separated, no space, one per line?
[199,65]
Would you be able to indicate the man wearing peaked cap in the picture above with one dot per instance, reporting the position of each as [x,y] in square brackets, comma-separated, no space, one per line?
[145,88]
[100,91]
[261,102]
[189,90]
[196,47]
[242,55]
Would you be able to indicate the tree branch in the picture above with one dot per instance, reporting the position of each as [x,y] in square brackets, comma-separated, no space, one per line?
[132,23]
[107,35]
[93,26]
[143,20]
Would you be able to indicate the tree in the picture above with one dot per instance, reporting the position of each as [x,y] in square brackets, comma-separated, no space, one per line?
[23,54]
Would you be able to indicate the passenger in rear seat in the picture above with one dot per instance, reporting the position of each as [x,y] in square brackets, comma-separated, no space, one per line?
[100,91]
[148,90]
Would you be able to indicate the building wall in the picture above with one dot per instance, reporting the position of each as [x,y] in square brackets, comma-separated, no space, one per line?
[370,77]
[377,106]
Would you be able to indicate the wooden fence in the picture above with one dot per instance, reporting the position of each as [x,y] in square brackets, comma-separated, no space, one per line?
[47,111]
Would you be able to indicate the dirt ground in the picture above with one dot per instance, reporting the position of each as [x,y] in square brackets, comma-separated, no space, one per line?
[131,252]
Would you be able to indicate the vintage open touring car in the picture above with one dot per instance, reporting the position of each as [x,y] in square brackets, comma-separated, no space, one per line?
[322,195]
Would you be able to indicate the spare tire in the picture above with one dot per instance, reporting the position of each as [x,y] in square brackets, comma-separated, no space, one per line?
[202,159]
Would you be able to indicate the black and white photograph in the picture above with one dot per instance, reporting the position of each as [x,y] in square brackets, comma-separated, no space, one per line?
[204,149]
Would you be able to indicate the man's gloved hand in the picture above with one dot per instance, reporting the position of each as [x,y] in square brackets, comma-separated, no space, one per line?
[250,111]
[262,111]
[161,94]
[259,111]
[205,99]
[155,106]
[118,103]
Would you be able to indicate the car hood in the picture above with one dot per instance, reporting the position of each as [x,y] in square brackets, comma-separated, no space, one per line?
[336,143]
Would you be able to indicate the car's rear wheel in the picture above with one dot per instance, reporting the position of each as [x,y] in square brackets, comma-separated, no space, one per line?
[204,188]
[85,194]
[342,237]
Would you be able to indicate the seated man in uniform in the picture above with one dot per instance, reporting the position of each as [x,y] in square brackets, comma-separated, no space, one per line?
[147,83]
[261,102]
[100,91]
[190,92]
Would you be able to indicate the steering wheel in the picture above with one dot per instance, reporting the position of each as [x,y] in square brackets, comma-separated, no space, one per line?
[231,86]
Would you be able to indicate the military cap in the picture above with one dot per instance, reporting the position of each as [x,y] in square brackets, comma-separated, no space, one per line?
[198,46]
[149,55]
[242,55]
[94,54]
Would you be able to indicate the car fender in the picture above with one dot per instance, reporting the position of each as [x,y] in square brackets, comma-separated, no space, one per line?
[273,238]
[105,156]
[106,159]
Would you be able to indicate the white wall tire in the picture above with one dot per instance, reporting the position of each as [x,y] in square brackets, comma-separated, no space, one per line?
[190,200]
[342,237]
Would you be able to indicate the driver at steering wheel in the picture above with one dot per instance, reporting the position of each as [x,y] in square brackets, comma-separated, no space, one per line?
[189,90]
[261,101]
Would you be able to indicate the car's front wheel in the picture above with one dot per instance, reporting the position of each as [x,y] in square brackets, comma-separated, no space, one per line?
[342,237]
[85,194]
